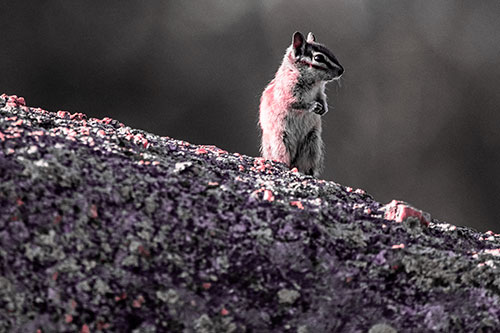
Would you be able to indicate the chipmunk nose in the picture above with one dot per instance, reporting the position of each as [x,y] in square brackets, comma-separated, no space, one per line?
[340,71]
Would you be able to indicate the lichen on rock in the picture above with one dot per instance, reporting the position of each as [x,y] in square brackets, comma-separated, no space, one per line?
[106,228]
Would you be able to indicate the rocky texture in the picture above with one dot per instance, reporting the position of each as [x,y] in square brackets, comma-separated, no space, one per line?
[105,228]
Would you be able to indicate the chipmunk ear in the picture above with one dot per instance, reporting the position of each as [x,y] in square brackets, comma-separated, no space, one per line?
[298,43]
[310,37]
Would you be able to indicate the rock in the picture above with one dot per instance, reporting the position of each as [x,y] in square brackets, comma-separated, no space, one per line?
[108,228]
[400,211]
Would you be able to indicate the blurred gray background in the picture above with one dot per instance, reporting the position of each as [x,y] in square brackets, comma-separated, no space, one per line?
[415,117]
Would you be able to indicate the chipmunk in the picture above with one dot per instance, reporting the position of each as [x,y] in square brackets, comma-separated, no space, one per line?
[292,104]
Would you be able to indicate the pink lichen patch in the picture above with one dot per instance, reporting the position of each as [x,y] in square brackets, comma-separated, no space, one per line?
[260,164]
[78,116]
[294,170]
[213,183]
[268,195]
[2,136]
[348,189]
[19,202]
[221,152]
[297,204]
[489,263]
[211,148]
[399,211]
[200,151]
[106,120]
[13,100]
[68,318]
[85,329]
[13,135]
[55,276]
[224,312]
[137,303]
[93,211]
[138,139]
[398,246]
[101,133]
[37,133]
[121,297]
[17,123]
[493,252]
[206,285]
[73,304]
[63,114]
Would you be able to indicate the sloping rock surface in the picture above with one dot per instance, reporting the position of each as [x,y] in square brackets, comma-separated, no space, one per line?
[105,228]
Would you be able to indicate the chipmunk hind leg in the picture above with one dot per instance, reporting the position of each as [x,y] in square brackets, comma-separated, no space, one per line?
[273,148]
[309,155]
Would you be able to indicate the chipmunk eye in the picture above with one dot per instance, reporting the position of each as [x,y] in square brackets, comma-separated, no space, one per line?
[319,58]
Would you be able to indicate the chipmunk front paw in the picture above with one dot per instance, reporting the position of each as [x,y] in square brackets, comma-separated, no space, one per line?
[318,108]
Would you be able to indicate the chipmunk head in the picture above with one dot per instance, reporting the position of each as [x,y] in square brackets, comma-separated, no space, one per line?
[313,59]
